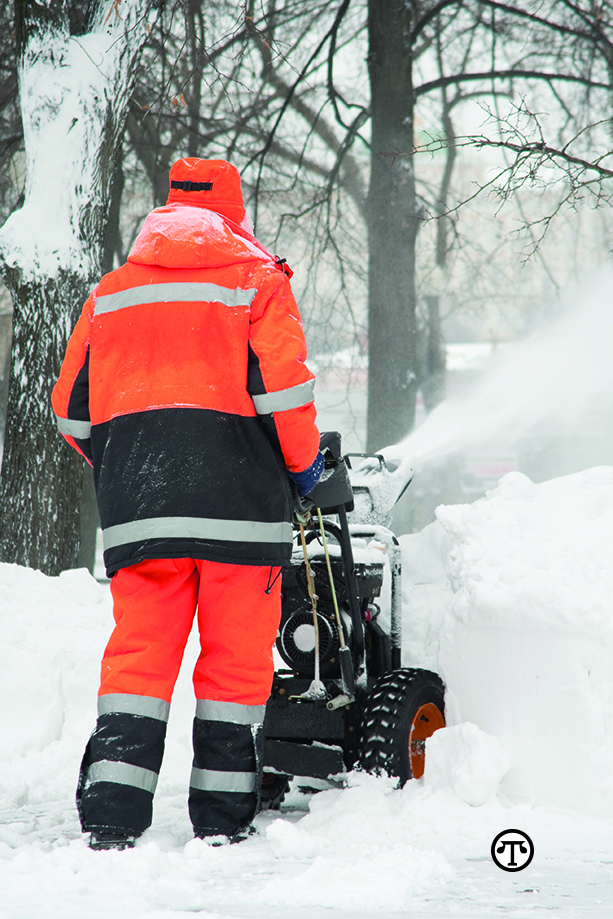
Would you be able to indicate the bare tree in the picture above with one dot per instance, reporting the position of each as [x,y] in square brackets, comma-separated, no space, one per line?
[563,69]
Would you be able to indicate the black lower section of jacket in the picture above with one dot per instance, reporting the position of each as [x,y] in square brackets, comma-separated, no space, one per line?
[181,462]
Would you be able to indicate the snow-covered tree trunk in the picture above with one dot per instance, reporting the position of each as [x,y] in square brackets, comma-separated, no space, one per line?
[74,94]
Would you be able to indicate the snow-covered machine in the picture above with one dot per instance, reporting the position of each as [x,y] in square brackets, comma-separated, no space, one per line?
[343,698]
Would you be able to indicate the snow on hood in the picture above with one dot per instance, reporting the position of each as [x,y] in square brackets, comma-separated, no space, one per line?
[176,236]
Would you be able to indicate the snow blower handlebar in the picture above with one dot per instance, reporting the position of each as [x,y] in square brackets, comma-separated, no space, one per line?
[381,484]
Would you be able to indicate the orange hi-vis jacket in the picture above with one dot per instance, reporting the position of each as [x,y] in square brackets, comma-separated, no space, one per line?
[184,385]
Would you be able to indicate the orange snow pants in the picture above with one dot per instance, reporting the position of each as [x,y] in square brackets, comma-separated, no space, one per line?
[239,609]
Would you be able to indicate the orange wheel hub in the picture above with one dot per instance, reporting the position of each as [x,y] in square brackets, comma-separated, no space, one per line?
[427,720]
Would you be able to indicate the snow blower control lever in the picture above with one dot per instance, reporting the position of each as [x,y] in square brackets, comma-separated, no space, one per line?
[334,482]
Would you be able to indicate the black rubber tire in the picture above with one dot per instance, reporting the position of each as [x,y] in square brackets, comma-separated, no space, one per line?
[273,790]
[388,717]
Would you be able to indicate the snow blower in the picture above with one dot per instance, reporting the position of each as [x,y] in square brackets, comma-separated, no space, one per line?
[344,700]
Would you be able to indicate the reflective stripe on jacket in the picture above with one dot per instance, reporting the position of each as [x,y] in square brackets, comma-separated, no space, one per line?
[184,384]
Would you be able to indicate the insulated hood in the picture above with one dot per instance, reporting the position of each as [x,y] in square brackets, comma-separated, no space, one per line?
[213,184]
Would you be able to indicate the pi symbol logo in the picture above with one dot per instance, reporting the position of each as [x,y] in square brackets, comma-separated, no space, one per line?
[512,850]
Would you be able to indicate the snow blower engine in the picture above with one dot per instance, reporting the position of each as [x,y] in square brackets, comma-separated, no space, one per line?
[343,699]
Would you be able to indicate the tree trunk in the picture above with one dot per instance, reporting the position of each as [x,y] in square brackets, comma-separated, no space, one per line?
[435,358]
[41,482]
[74,96]
[393,224]
[195,37]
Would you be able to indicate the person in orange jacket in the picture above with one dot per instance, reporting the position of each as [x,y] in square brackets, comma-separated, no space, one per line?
[185,386]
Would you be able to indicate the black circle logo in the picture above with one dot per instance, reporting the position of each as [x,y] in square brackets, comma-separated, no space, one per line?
[512,850]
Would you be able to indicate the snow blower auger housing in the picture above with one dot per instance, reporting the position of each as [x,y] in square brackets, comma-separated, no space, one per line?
[352,703]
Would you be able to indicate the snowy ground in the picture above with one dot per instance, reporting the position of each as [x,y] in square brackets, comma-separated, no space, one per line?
[531,565]
[367,850]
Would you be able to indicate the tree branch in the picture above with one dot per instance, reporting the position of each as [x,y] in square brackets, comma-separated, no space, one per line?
[506,75]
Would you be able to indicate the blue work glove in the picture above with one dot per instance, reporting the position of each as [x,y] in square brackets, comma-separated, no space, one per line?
[308,478]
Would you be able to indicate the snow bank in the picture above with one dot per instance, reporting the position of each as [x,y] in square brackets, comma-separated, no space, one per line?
[53,633]
[524,616]
[426,594]
[362,847]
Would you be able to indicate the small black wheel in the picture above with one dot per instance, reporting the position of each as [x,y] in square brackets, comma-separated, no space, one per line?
[273,790]
[404,709]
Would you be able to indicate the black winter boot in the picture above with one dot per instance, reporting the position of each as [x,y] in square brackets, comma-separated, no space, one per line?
[99,841]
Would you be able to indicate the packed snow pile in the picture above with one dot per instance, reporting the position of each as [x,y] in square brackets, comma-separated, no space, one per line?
[466,761]
[511,599]
[53,633]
